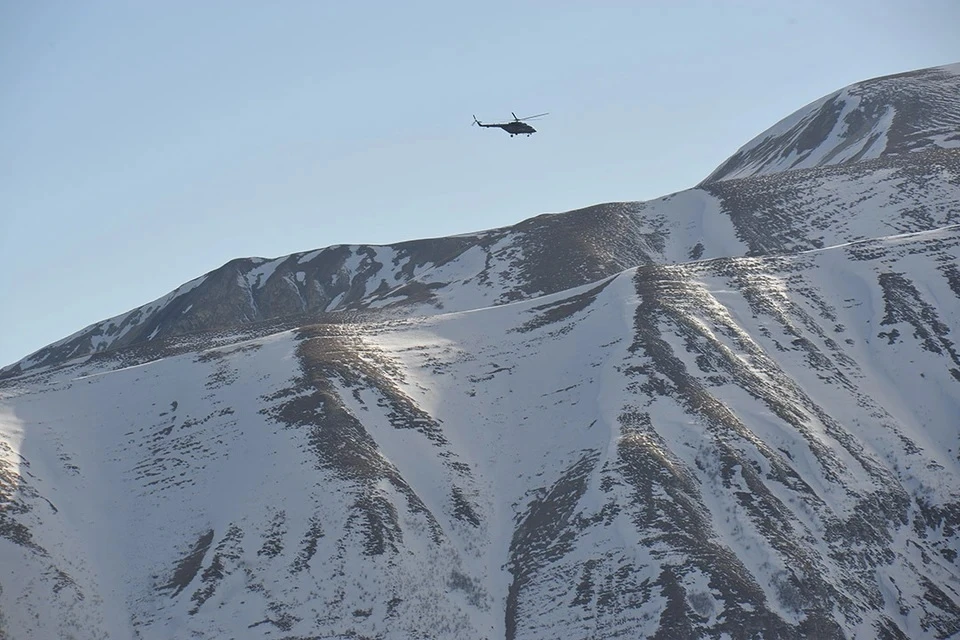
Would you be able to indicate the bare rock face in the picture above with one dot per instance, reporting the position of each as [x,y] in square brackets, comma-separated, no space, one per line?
[730,412]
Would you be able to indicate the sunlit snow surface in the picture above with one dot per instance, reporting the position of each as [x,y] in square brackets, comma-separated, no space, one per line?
[735,438]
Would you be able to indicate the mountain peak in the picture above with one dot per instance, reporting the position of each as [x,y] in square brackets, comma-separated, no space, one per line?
[889,115]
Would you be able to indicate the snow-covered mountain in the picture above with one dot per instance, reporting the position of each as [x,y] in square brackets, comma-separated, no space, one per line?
[888,116]
[730,412]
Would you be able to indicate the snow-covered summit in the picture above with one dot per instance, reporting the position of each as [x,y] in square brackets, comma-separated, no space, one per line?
[890,115]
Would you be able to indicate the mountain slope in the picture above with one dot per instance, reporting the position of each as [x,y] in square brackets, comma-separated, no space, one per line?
[889,116]
[707,448]
[730,412]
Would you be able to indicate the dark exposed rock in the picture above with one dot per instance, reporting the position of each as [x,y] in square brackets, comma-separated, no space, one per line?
[187,569]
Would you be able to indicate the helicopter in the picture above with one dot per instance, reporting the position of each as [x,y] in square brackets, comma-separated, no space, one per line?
[513,128]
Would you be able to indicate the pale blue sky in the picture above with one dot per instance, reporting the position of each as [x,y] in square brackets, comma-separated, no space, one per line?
[146,143]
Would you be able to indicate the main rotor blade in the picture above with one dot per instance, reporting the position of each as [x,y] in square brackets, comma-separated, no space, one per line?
[539,115]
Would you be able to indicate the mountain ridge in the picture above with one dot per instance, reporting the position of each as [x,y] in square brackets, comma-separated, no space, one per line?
[333,278]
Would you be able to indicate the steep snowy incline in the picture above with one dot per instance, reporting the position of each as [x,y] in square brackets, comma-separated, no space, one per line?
[719,447]
[888,116]
[807,209]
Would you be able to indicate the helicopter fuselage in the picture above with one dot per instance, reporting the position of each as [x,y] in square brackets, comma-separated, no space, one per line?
[513,128]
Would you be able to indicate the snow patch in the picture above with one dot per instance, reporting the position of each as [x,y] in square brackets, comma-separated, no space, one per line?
[259,275]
